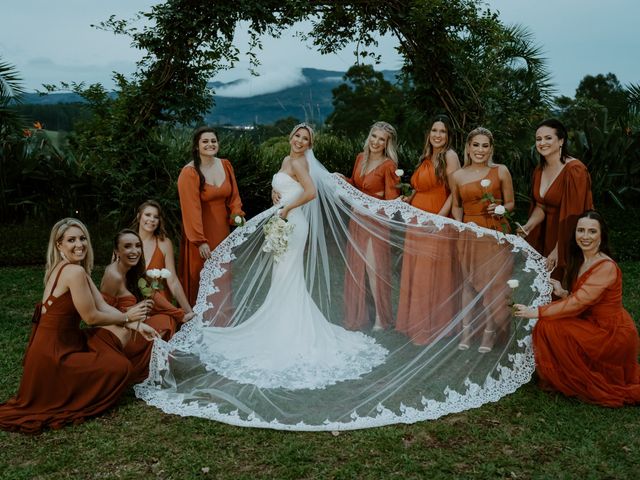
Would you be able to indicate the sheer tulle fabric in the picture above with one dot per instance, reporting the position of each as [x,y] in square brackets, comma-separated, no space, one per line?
[286,359]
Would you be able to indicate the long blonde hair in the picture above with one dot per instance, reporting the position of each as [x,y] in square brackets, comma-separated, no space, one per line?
[53,254]
[390,149]
[473,133]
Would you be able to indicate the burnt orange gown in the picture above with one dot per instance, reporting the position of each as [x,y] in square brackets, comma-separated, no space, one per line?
[483,260]
[70,374]
[568,197]
[206,218]
[380,183]
[157,261]
[164,318]
[586,345]
[428,278]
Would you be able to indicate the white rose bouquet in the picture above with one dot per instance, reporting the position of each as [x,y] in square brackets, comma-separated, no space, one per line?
[155,275]
[405,188]
[276,236]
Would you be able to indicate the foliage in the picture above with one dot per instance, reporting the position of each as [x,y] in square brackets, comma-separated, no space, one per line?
[11,91]
[529,434]
[59,116]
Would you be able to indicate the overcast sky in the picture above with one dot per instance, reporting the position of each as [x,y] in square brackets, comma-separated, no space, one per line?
[51,42]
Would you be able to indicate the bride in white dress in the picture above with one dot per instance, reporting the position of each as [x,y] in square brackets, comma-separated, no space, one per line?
[288,342]
[285,361]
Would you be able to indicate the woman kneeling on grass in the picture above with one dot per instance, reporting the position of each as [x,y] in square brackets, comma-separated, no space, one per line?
[72,373]
[586,344]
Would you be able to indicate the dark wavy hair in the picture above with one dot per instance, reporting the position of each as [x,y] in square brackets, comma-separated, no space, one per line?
[195,151]
[440,160]
[160,231]
[575,256]
[134,273]
[562,134]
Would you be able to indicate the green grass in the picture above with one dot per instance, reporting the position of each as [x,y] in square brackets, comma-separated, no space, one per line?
[530,434]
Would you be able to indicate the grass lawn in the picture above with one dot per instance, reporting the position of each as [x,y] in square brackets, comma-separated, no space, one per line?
[530,434]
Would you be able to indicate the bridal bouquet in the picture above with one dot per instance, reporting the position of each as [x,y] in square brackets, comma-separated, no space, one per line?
[276,236]
[155,274]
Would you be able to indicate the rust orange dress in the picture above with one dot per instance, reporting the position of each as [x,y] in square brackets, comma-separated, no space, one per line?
[586,345]
[428,278]
[157,261]
[380,183]
[483,260]
[164,318]
[70,374]
[568,197]
[206,218]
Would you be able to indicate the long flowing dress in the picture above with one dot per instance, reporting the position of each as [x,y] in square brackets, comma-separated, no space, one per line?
[164,318]
[314,353]
[206,218]
[486,263]
[568,197]
[429,270]
[70,374]
[364,248]
[586,345]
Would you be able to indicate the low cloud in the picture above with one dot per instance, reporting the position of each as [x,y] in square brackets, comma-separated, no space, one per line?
[269,82]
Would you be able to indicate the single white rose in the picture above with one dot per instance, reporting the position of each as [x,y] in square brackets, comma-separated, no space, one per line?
[153,273]
[513,283]
[485,182]
[500,210]
[165,273]
[238,220]
[399,172]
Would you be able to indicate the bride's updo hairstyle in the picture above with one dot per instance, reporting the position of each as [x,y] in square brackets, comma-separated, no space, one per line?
[55,238]
[307,127]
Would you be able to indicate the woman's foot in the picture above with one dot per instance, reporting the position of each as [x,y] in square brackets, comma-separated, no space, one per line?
[488,339]
[377,325]
[465,341]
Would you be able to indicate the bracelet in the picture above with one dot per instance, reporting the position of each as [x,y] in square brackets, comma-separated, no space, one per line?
[126,319]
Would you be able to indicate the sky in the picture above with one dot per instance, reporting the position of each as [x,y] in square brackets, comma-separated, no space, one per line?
[49,42]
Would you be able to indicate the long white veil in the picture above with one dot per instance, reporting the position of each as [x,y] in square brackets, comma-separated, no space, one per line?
[364,258]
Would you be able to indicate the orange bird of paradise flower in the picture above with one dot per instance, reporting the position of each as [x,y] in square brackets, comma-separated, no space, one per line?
[37,125]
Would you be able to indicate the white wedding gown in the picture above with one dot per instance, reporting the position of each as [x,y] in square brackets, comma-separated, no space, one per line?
[287,342]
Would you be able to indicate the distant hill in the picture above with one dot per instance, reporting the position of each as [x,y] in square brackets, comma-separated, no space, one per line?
[310,100]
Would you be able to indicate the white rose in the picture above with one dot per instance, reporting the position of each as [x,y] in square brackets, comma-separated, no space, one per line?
[153,273]
[513,283]
[165,273]
[238,220]
[399,172]
[500,210]
[485,182]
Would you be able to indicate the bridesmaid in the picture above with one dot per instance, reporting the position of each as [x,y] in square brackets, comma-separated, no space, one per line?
[472,187]
[210,203]
[586,344]
[428,273]
[158,249]
[72,373]
[119,287]
[561,192]
[373,174]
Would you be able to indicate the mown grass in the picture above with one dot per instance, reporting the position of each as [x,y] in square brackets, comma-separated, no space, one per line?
[530,434]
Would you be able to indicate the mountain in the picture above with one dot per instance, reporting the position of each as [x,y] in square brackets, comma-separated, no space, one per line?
[310,100]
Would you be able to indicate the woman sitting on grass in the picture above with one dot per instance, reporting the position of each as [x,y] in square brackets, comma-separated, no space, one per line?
[72,373]
[586,344]
[119,287]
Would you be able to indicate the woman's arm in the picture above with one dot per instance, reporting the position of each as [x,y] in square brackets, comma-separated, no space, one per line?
[301,172]
[535,219]
[173,282]
[456,201]
[453,164]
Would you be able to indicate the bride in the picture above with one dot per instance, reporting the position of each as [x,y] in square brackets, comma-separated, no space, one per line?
[285,361]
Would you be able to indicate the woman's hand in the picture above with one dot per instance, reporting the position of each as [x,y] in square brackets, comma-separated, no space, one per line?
[139,311]
[283,212]
[145,330]
[523,311]
[552,260]
[522,231]
[205,250]
[188,316]
[275,197]
[558,291]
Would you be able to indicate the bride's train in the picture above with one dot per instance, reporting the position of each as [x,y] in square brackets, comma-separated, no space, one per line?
[274,351]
